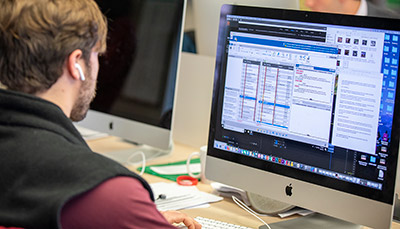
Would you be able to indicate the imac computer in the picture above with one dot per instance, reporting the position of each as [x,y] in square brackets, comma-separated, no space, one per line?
[306,111]
[137,75]
[206,18]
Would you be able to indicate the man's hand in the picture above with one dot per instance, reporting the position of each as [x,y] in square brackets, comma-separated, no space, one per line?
[179,217]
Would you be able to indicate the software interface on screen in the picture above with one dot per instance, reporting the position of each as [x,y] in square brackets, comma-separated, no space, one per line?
[313,97]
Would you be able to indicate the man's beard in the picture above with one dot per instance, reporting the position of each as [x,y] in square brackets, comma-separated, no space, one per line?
[87,93]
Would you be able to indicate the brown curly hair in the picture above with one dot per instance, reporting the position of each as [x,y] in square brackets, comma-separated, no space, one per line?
[37,36]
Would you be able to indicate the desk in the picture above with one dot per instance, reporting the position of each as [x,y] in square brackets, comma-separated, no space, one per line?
[224,210]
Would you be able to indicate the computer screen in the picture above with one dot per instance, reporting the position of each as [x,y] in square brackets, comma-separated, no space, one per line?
[137,75]
[206,18]
[306,110]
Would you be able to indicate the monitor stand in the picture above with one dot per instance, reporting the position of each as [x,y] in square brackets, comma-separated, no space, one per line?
[313,221]
[130,156]
[133,157]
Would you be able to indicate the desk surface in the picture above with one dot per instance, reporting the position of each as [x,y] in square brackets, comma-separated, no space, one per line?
[225,210]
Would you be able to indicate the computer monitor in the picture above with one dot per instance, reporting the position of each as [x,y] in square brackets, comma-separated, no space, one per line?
[206,18]
[137,75]
[306,111]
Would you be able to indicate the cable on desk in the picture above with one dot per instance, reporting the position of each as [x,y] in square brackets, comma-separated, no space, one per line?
[249,210]
[143,161]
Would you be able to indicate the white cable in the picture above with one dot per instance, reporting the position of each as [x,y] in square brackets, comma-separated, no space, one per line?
[143,161]
[249,210]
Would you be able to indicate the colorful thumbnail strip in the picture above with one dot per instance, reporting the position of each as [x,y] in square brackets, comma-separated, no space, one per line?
[277,160]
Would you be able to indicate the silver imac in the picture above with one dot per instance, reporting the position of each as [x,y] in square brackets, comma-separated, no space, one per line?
[206,18]
[137,75]
[306,111]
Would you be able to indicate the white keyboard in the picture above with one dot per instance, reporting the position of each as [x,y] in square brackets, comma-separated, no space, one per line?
[207,223]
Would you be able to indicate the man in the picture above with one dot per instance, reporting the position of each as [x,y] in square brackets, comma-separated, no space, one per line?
[49,177]
[354,7]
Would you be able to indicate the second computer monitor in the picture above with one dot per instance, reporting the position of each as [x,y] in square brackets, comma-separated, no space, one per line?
[137,75]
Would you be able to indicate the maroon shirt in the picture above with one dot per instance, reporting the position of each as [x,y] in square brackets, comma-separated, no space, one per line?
[120,202]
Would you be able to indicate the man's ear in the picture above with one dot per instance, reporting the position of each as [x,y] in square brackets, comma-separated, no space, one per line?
[75,58]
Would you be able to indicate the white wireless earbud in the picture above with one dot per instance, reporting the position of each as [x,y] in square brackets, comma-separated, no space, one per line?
[77,66]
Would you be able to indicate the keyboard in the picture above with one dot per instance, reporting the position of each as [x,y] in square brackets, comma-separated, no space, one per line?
[207,223]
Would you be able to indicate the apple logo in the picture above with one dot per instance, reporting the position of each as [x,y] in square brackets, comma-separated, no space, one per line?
[288,190]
